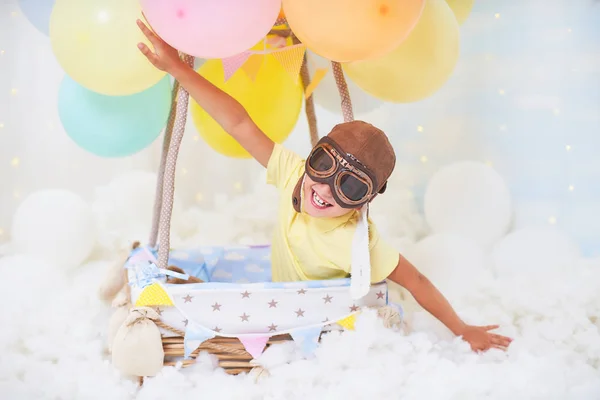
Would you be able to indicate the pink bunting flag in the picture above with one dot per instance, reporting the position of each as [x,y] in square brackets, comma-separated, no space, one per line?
[142,255]
[233,63]
[254,344]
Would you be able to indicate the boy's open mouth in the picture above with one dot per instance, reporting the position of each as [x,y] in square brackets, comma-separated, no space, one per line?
[318,202]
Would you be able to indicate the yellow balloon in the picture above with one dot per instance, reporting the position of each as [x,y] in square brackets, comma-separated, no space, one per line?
[272,100]
[418,67]
[461,9]
[95,42]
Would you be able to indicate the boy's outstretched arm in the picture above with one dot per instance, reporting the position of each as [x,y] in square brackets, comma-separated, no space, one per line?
[223,108]
[430,298]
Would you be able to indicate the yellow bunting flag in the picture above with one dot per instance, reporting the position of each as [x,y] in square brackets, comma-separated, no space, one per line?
[314,82]
[291,59]
[348,322]
[252,66]
[153,295]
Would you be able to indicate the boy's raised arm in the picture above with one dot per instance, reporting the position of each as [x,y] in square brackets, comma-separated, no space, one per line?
[223,108]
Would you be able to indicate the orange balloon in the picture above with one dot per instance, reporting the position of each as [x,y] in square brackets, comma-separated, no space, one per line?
[281,14]
[352,30]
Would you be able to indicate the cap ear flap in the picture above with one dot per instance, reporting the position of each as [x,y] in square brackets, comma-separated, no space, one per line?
[383,188]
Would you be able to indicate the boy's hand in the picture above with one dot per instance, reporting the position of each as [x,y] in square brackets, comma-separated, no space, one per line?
[165,57]
[481,340]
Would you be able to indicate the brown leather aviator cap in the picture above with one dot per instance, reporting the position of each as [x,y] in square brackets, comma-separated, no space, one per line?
[365,143]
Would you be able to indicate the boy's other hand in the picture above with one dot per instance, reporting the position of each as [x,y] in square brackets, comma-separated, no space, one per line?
[164,57]
[481,339]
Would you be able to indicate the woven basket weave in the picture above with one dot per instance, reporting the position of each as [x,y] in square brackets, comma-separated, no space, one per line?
[230,352]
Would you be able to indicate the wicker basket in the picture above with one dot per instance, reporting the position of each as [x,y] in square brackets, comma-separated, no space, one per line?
[230,352]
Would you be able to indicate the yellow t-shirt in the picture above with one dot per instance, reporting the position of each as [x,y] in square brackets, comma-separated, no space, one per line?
[307,248]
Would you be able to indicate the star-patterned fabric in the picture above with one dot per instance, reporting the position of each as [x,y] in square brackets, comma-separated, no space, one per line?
[240,299]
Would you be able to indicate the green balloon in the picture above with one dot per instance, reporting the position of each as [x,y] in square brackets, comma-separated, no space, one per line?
[113,126]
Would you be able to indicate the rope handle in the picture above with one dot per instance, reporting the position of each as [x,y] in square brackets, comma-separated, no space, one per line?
[340,81]
[168,181]
[158,200]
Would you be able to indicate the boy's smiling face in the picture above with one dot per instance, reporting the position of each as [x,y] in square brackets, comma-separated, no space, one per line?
[318,201]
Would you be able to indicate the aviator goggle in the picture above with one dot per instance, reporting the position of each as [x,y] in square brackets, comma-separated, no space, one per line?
[351,183]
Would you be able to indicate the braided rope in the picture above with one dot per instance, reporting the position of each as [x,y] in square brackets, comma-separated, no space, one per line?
[309,104]
[168,192]
[161,170]
[344,93]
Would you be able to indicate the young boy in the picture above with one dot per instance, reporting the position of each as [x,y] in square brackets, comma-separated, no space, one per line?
[323,200]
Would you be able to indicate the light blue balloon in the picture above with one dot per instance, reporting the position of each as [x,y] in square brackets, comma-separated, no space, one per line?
[113,126]
[38,13]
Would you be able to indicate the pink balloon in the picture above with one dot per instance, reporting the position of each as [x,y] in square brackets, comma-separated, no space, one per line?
[211,28]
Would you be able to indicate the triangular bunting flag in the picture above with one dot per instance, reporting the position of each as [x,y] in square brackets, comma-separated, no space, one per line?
[154,295]
[307,338]
[348,322]
[254,344]
[252,65]
[291,59]
[314,82]
[233,63]
[195,335]
[142,254]
[276,42]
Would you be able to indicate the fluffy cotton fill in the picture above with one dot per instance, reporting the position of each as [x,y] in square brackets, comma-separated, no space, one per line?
[54,326]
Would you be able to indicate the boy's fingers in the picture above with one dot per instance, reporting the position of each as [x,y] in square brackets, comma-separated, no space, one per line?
[498,339]
[149,54]
[148,33]
[490,327]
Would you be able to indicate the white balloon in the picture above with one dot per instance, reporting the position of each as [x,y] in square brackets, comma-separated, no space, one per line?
[470,199]
[452,263]
[534,251]
[326,93]
[56,225]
